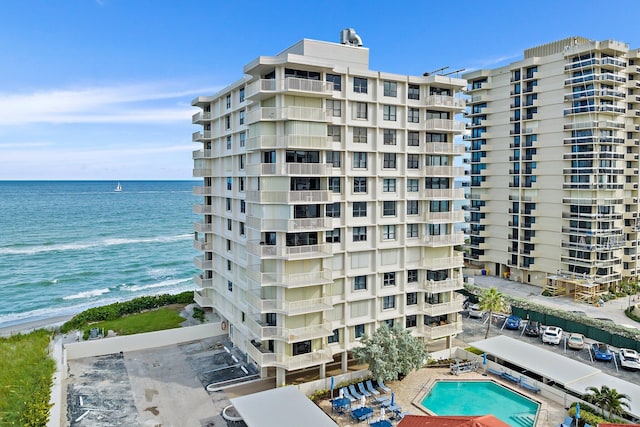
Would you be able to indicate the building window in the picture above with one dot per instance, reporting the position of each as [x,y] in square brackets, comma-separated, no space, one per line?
[413,161]
[413,92]
[412,298]
[412,230]
[412,207]
[390,88]
[390,136]
[334,184]
[389,161]
[436,137]
[359,85]
[334,158]
[336,79]
[389,112]
[388,232]
[228,103]
[243,138]
[241,94]
[413,139]
[359,160]
[412,185]
[334,338]
[389,279]
[228,204]
[411,321]
[229,224]
[358,330]
[361,110]
[242,160]
[242,228]
[360,135]
[412,276]
[359,283]
[229,183]
[241,117]
[333,210]
[229,285]
[439,206]
[334,132]
[243,206]
[359,234]
[359,209]
[389,208]
[413,115]
[333,236]
[227,121]
[359,184]
[242,178]
[389,185]
[228,142]
[335,107]
[388,302]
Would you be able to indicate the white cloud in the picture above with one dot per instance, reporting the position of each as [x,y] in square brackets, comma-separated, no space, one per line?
[133,103]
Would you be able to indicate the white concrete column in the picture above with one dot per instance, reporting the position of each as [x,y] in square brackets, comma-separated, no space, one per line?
[344,362]
[323,371]
[280,377]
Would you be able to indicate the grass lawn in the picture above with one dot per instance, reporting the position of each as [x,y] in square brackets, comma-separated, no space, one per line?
[148,321]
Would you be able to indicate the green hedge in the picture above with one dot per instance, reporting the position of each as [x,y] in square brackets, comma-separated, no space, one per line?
[119,309]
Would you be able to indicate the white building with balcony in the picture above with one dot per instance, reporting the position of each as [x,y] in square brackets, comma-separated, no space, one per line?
[328,205]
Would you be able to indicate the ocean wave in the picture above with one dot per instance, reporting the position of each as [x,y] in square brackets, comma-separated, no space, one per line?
[33,250]
[88,294]
[163,284]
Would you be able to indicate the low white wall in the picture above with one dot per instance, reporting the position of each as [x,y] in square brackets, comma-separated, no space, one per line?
[325,383]
[137,342]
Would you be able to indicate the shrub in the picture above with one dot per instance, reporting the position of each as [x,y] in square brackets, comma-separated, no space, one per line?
[198,313]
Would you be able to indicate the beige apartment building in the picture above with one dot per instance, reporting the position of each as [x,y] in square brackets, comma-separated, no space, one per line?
[554,145]
[327,205]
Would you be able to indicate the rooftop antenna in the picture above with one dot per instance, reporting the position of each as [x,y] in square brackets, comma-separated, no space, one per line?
[428,73]
[349,37]
[455,72]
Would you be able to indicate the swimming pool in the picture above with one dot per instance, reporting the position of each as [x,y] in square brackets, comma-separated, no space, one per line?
[480,398]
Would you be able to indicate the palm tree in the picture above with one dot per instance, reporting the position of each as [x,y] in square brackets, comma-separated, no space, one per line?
[491,300]
[607,398]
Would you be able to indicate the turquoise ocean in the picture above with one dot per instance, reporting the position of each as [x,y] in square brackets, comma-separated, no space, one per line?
[66,246]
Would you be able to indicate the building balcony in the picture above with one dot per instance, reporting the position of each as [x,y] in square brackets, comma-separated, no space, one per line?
[445,102]
[201,246]
[437,286]
[280,169]
[201,154]
[201,117]
[290,308]
[201,227]
[201,282]
[443,308]
[443,263]
[290,225]
[200,298]
[290,335]
[202,264]
[444,125]
[434,332]
[444,240]
[286,197]
[274,142]
[201,172]
[444,217]
[267,359]
[455,171]
[444,148]
[201,136]
[268,87]
[200,190]
[443,194]
[288,113]
[202,209]
[289,252]
[289,281]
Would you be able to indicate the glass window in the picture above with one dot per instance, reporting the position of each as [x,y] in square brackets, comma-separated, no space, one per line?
[334,184]
[229,183]
[388,302]
[412,207]
[333,210]
[359,234]
[359,85]
[413,139]
[359,283]
[334,106]
[359,209]
[389,208]
[360,135]
[335,337]
[241,94]
[334,158]
[439,206]
[358,330]
[413,115]
[359,160]
[389,279]
[336,79]
[229,285]
[389,161]
[359,184]
[389,112]
[388,232]
[412,185]
[412,230]
[390,88]
[361,110]
[243,206]
[228,103]
[389,185]
[242,228]
[413,92]
[389,136]
[334,132]
[333,236]
[411,321]
[412,276]
[228,142]
[412,298]
[243,138]
[413,161]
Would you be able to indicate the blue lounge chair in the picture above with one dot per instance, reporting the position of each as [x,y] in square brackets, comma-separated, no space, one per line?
[510,377]
[362,390]
[383,387]
[567,422]
[528,386]
[495,372]
[354,393]
[382,400]
[372,390]
[346,394]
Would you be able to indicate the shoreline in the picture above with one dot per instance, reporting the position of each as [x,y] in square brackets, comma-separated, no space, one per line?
[26,327]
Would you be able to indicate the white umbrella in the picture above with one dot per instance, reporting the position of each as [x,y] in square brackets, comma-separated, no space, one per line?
[363,401]
[382,412]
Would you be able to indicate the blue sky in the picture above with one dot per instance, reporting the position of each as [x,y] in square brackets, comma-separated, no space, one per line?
[101,89]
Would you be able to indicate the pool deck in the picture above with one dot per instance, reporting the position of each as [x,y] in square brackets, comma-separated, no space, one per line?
[414,386]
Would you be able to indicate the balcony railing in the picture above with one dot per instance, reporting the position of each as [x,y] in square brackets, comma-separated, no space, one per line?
[288,113]
[290,335]
[444,217]
[201,116]
[311,196]
[305,169]
[443,263]
[290,308]
[444,148]
[443,171]
[444,240]
[444,125]
[290,225]
[289,252]
[445,101]
[441,331]
[451,284]
[202,300]
[290,281]
[289,84]
[290,363]
[443,193]
[443,308]
[287,141]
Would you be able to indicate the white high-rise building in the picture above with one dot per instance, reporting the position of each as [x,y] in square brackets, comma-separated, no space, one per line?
[554,167]
[328,205]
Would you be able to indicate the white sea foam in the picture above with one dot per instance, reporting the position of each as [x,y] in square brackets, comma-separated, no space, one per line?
[78,246]
[163,284]
[87,294]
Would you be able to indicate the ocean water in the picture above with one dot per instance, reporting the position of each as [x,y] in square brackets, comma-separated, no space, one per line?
[66,246]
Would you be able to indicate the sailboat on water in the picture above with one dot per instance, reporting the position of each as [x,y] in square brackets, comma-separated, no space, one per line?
[118,187]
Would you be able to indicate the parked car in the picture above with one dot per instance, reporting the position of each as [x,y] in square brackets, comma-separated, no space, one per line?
[532,329]
[629,359]
[575,341]
[512,322]
[474,311]
[552,335]
[601,352]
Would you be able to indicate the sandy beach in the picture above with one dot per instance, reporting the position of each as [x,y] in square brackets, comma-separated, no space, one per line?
[26,327]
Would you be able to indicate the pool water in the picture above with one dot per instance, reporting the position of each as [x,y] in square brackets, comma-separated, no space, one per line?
[481,398]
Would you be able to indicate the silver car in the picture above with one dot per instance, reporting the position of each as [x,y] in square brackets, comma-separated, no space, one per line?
[629,359]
